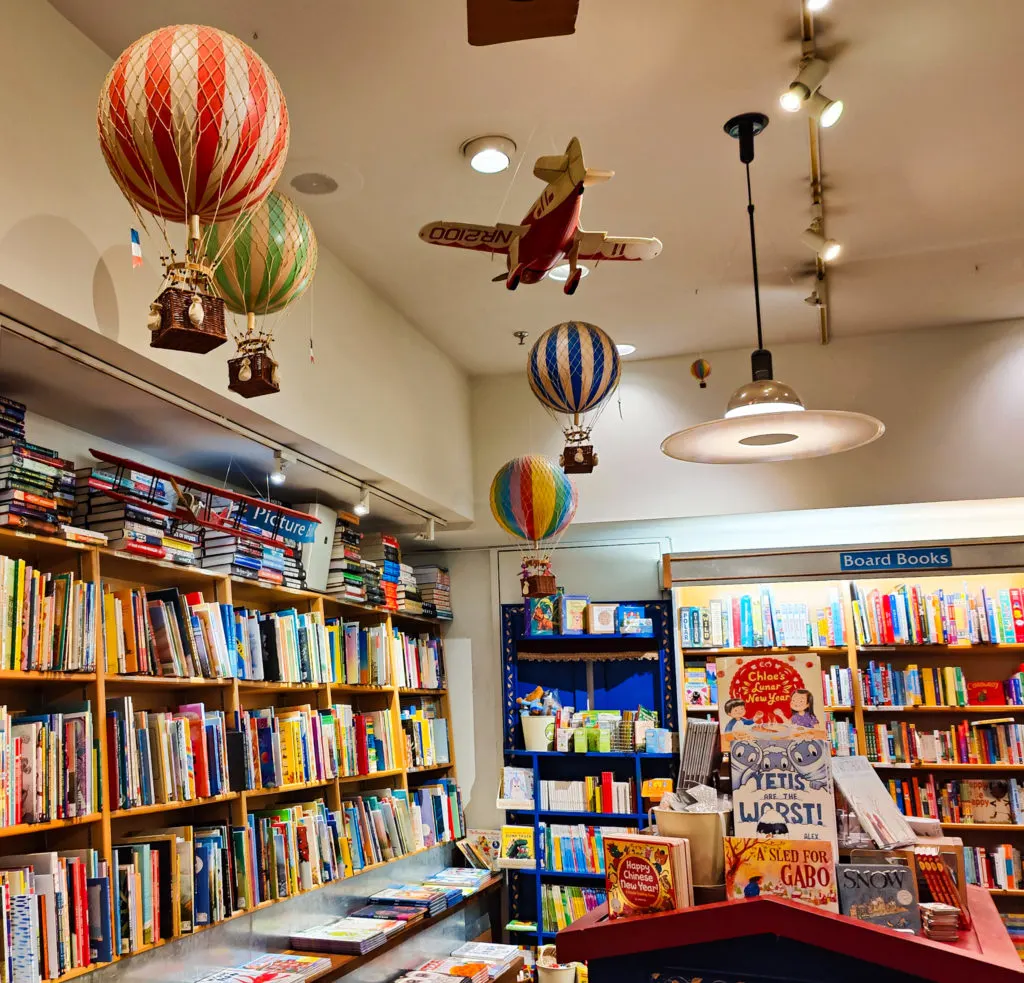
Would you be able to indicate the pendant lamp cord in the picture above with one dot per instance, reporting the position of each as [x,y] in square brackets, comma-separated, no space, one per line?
[753,259]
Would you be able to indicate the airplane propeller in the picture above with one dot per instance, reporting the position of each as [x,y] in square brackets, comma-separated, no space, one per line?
[500,278]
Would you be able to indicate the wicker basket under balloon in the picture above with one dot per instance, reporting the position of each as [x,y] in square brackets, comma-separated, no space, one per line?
[190,321]
[253,372]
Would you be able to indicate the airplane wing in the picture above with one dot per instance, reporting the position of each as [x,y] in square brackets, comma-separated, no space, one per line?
[483,238]
[599,247]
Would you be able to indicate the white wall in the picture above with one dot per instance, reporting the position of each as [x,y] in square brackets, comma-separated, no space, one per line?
[950,399]
[64,242]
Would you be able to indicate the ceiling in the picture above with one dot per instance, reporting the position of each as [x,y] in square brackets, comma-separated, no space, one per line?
[922,173]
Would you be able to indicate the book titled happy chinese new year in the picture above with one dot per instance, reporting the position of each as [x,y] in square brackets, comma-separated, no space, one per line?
[646,874]
[801,870]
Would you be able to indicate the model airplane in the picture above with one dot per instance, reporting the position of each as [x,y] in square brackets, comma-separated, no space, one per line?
[551,232]
[247,518]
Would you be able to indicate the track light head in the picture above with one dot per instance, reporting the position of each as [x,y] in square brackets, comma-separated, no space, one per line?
[815,6]
[812,74]
[826,111]
[827,249]
[278,476]
[362,507]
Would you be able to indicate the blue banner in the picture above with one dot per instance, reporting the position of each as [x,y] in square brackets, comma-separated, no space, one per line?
[863,561]
[268,519]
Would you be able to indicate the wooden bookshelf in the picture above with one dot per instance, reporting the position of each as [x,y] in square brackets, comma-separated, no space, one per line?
[978,662]
[25,690]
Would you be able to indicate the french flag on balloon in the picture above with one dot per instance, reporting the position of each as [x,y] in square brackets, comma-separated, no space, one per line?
[136,249]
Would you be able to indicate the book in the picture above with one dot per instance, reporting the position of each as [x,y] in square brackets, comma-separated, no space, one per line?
[783,788]
[406,913]
[562,904]
[883,894]
[870,800]
[768,696]
[801,870]
[344,935]
[292,963]
[518,847]
[646,874]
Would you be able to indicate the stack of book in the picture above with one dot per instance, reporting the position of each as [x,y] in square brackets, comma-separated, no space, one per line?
[406,913]
[247,559]
[163,756]
[996,867]
[37,488]
[373,584]
[346,572]
[132,528]
[434,899]
[408,592]
[499,958]
[358,656]
[47,620]
[667,858]
[12,419]
[55,908]
[562,904]
[435,591]
[453,968]
[283,646]
[593,794]
[468,879]
[292,963]
[47,766]
[974,801]
[991,742]
[760,620]
[701,684]
[912,616]
[354,936]
[426,737]
[383,550]
[941,922]
[418,660]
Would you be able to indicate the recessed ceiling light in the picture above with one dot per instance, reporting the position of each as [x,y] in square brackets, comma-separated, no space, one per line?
[489,154]
[313,183]
[625,349]
[560,273]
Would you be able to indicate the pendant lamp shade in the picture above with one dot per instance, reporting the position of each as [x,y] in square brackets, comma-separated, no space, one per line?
[765,420]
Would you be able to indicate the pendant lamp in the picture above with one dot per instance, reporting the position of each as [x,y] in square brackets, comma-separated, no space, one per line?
[765,420]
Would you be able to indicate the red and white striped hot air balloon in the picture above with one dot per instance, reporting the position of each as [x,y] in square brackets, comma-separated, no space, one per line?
[194,129]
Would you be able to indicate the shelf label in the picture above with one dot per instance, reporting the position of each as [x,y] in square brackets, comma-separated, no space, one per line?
[934,558]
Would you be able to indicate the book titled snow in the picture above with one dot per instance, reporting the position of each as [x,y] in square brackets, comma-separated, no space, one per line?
[883,894]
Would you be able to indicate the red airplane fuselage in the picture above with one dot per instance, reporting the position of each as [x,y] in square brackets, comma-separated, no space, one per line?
[550,235]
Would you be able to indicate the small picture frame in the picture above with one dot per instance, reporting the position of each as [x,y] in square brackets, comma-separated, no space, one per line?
[541,615]
[573,614]
[601,618]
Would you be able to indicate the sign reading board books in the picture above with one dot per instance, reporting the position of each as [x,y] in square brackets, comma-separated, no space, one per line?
[801,870]
[770,696]
[783,788]
[646,874]
[883,894]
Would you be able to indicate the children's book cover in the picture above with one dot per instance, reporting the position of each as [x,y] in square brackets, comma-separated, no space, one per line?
[770,696]
[883,894]
[541,615]
[989,801]
[801,870]
[641,876]
[870,800]
[518,847]
[783,788]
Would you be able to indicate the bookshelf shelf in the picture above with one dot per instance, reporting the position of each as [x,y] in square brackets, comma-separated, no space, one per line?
[166,682]
[944,766]
[74,974]
[355,690]
[172,806]
[17,676]
[1006,893]
[985,827]
[584,814]
[945,709]
[440,766]
[406,691]
[24,828]
[713,708]
[373,775]
[583,875]
[583,755]
[258,793]
[277,687]
[939,649]
[792,650]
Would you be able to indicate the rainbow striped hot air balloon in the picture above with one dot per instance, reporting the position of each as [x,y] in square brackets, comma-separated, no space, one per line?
[535,502]
[700,370]
[263,264]
[573,368]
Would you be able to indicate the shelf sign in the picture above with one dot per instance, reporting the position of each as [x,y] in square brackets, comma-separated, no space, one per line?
[270,520]
[934,558]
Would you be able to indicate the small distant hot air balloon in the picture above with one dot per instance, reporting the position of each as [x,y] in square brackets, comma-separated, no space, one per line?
[700,369]
[262,267]
[534,502]
[573,368]
[194,129]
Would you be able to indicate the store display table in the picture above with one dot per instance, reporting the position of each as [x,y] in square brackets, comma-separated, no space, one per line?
[760,939]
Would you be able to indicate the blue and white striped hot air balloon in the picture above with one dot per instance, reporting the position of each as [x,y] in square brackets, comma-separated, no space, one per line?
[573,368]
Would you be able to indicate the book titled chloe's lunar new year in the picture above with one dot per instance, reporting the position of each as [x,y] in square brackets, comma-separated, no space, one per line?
[646,874]
[770,697]
[801,870]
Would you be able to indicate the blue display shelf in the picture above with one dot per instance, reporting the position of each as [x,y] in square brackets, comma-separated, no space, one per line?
[619,680]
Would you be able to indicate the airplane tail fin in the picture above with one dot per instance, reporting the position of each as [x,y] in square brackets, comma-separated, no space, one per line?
[552,167]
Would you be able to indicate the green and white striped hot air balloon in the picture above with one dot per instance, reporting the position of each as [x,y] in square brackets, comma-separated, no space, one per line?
[264,261]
